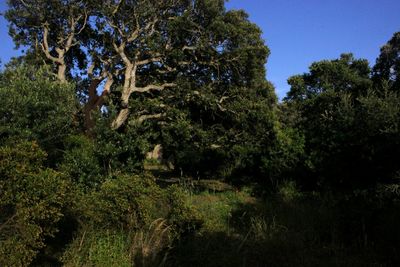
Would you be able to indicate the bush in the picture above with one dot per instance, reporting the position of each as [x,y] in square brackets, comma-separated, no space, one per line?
[124,202]
[98,248]
[133,214]
[184,217]
[31,203]
[80,162]
[35,107]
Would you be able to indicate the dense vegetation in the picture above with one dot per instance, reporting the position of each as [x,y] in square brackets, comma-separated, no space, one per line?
[144,133]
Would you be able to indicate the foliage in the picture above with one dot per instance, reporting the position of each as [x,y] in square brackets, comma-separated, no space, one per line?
[188,75]
[101,84]
[121,151]
[35,107]
[146,247]
[345,74]
[150,247]
[307,230]
[288,191]
[282,158]
[123,202]
[387,67]
[98,248]
[350,128]
[181,215]
[32,200]
[216,208]
[141,49]
[80,162]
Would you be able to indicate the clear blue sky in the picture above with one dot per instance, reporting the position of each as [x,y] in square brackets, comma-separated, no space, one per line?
[299,32]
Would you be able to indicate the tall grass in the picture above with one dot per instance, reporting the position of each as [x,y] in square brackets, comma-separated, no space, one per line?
[150,247]
[100,249]
[146,248]
[287,228]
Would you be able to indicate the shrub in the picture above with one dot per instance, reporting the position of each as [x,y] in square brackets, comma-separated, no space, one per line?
[35,107]
[150,246]
[98,248]
[31,202]
[184,217]
[124,202]
[80,162]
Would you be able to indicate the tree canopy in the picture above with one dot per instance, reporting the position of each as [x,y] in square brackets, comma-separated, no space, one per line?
[145,133]
[133,48]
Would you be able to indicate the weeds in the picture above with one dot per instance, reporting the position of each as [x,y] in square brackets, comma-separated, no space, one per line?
[150,248]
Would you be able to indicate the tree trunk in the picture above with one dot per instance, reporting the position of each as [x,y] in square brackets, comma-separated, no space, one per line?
[95,102]
[61,73]
[120,119]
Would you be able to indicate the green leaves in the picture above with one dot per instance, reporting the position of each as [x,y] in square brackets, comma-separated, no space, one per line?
[350,125]
[387,67]
[35,107]
[32,199]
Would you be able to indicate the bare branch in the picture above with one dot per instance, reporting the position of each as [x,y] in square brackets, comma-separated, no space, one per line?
[84,23]
[135,33]
[121,51]
[45,46]
[143,118]
[153,87]
[7,222]
[121,33]
[117,7]
[152,27]
[222,99]
[192,48]
[93,88]
[106,91]
[149,60]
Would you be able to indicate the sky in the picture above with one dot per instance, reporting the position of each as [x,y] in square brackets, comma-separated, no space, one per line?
[299,32]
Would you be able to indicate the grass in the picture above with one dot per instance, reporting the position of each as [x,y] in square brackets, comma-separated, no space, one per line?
[288,228]
[216,208]
[145,248]
[100,249]
[150,247]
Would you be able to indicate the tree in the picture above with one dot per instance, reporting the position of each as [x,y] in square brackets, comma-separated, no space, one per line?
[34,107]
[349,125]
[387,67]
[138,48]
[52,27]
[345,74]
[189,75]
[32,202]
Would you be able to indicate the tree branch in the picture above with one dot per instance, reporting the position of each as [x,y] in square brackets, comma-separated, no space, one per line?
[153,87]
[135,33]
[84,23]
[149,60]
[143,118]
[117,8]
[45,46]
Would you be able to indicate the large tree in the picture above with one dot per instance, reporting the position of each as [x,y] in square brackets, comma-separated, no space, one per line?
[349,125]
[189,75]
[387,67]
[131,48]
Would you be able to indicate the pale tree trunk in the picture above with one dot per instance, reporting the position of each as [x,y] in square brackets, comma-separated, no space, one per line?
[61,76]
[120,119]
[63,47]
[134,62]
[129,83]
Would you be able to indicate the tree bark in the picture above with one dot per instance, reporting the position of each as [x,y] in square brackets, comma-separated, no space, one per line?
[62,68]
[120,119]
[95,102]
